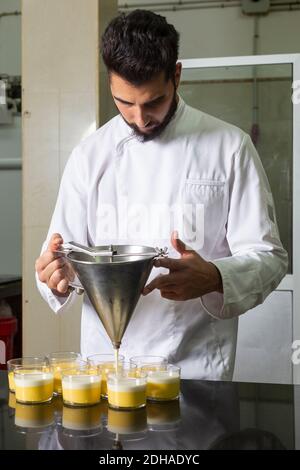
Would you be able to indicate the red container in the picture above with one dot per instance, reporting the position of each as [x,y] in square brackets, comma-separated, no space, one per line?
[8,329]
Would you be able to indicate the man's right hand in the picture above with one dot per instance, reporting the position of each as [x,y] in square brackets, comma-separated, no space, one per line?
[53,269]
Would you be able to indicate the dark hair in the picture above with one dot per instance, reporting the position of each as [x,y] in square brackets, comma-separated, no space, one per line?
[139,45]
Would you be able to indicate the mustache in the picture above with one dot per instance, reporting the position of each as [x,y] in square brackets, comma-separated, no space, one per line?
[158,128]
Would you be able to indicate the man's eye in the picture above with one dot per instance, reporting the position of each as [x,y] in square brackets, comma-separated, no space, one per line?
[153,105]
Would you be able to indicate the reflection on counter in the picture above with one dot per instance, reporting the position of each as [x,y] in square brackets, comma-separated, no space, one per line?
[87,418]
[34,416]
[163,418]
[127,422]
[208,415]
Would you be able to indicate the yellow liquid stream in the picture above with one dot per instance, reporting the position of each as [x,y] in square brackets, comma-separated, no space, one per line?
[106,369]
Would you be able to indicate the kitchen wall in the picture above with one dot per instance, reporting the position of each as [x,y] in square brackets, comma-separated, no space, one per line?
[60,60]
[10,147]
[221,32]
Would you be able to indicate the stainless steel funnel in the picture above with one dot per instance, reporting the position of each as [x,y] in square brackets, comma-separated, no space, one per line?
[113,281]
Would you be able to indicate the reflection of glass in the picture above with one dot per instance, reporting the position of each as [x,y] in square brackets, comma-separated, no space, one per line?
[126,388]
[82,419]
[34,416]
[258,100]
[57,408]
[33,384]
[12,364]
[81,386]
[163,382]
[127,421]
[59,361]
[107,364]
[163,416]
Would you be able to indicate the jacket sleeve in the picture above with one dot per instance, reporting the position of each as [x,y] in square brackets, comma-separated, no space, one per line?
[69,219]
[258,260]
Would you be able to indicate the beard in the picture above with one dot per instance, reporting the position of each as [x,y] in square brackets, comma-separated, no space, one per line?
[159,128]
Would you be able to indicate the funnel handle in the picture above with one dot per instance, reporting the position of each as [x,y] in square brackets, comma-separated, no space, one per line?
[73,285]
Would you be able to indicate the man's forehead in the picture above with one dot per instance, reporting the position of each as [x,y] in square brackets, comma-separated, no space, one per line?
[146,92]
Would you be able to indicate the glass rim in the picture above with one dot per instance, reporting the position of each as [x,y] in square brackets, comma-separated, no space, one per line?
[141,358]
[124,374]
[81,371]
[62,354]
[121,357]
[12,362]
[168,367]
[33,370]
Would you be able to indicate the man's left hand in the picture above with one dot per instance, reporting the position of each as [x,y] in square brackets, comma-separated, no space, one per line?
[189,277]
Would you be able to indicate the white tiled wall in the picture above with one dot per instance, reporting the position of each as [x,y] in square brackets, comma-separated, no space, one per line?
[60,69]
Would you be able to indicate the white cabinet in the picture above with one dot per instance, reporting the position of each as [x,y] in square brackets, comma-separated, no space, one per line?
[264,341]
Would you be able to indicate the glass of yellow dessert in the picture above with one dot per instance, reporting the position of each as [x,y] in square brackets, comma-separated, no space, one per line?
[81,386]
[12,364]
[106,363]
[33,384]
[126,388]
[163,382]
[59,361]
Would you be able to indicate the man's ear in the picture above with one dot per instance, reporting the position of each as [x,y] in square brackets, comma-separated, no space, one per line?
[178,74]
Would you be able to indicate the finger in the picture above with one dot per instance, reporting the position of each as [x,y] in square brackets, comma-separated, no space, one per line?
[161,281]
[178,244]
[170,263]
[46,273]
[55,241]
[169,295]
[46,258]
[63,286]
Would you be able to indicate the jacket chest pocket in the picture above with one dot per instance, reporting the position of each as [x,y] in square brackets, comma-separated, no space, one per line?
[205,212]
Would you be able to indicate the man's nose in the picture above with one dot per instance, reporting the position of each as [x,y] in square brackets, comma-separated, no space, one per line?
[141,117]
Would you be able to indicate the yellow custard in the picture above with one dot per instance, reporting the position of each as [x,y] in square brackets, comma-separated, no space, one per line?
[81,390]
[106,369]
[33,386]
[161,386]
[11,381]
[127,393]
[57,369]
[12,400]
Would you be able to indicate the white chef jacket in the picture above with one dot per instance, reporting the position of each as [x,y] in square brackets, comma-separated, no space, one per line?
[198,159]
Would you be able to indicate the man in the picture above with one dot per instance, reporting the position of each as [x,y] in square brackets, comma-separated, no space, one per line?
[135,181]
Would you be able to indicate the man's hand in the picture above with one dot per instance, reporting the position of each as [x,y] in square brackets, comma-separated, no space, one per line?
[53,269]
[189,277]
